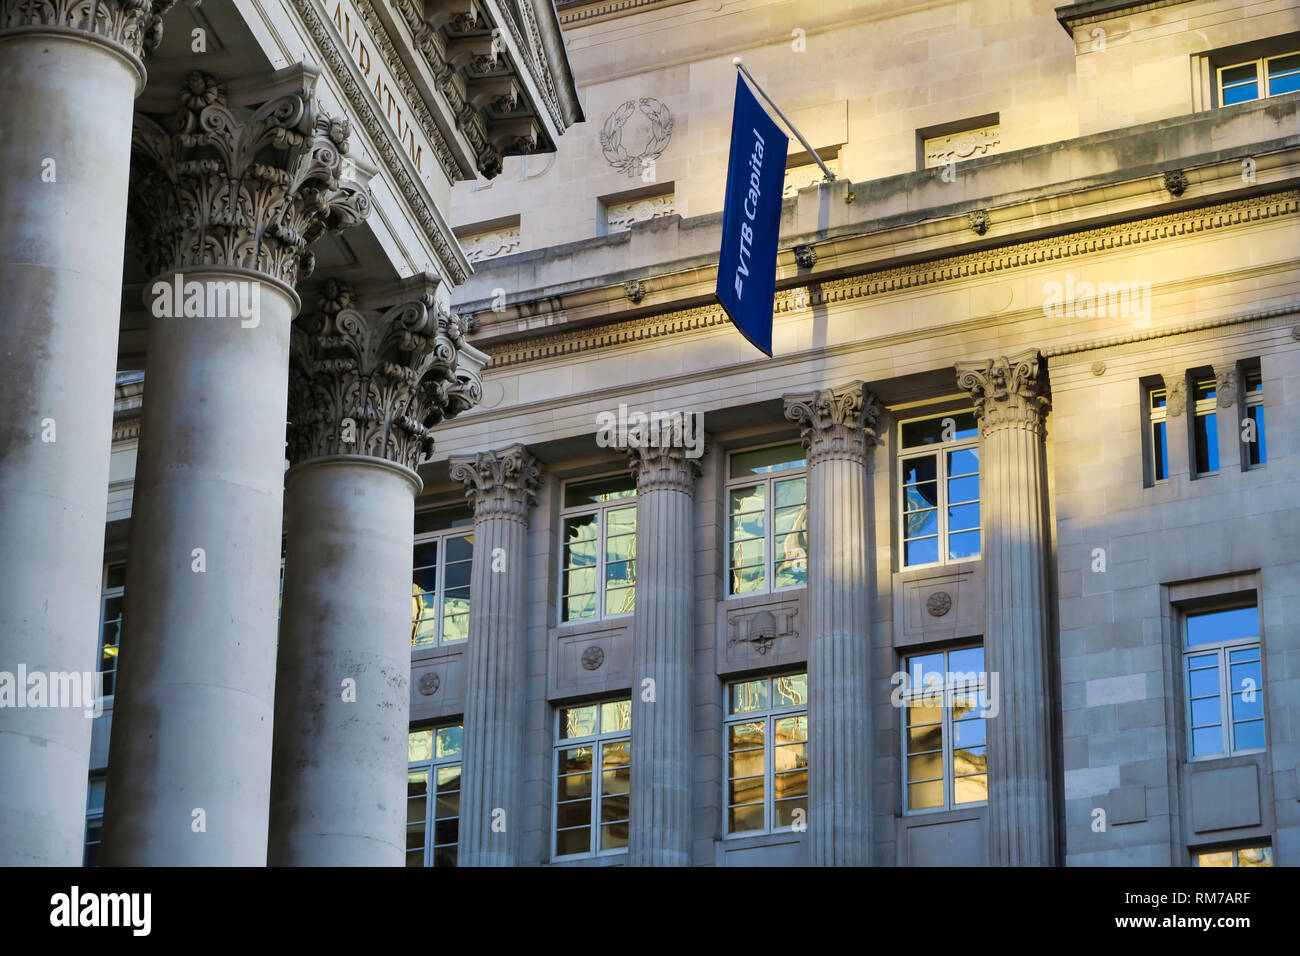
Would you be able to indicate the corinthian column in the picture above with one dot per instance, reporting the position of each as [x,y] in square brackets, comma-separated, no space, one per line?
[838,435]
[365,388]
[663,657]
[1009,405]
[225,201]
[65,146]
[503,488]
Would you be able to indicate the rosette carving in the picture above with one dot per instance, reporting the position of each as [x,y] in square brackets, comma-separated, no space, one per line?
[364,382]
[1006,391]
[250,188]
[133,24]
[500,484]
[836,422]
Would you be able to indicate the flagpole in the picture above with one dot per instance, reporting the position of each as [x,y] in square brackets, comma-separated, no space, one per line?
[740,65]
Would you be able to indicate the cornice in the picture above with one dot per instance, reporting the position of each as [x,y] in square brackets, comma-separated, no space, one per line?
[1094,11]
[438,234]
[580,14]
[913,276]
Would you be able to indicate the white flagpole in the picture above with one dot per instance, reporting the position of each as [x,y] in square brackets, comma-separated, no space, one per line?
[739,64]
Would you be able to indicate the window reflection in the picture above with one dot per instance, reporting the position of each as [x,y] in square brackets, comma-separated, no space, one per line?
[767,759]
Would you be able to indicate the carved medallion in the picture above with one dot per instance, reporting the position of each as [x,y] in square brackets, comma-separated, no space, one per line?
[429,684]
[1099,367]
[660,120]
[593,657]
[939,603]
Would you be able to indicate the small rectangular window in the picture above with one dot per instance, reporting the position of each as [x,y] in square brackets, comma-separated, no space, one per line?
[767,754]
[441,570]
[939,474]
[1255,79]
[1157,435]
[598,564]
[1253,433]
[767,519]
[94,817]
[945,752]
[1205,426]
[1224,684]
[1236,856]
[593,774]
[433,795]
[110,624]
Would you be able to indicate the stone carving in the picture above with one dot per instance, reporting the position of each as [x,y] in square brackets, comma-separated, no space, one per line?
[429,684]
[500,484]
[979,221]
[807,174]
[1295,332]
[967,144]
[248,188]
[1007,392]
[491,245]
[134,24]
[376,382]
[635,290]
[1176,182]
[611,135]
[1225,386]
[805,255]
[1099,367]
[836,423]
[939,603]
[663,468]
[593,657]
[619,217]
[1175,394]
[761,630]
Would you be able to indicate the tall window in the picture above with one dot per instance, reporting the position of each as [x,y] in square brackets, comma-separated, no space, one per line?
[94,817]
[440,588]
[1267,76]
[1205,426]
[767,527]
[599,573]
[1157,434]
[1224,681]
[944,730]
[1236,856]
[433,795]
[1257,447]
[110,624]
[593,774]
[939,466]
[767,754]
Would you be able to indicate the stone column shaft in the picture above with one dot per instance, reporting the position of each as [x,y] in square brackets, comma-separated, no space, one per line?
[503,486]
[838,434]
[1010,404]
[365,387]
[663,652]
[190,754]
[65,147]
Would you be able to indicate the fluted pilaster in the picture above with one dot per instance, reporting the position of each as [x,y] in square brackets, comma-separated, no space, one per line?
[1010,401]
[838,435]
[662,657]
[365,388]
[503,487]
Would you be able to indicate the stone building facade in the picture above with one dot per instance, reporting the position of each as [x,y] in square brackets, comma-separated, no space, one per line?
[996,561]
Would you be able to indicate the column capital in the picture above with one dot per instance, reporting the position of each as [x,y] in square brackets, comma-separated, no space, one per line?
[247,186]
[501,484]
[134,25]
[1007,391]
[375,382]
[836,422]
[1175,392]
[663,468]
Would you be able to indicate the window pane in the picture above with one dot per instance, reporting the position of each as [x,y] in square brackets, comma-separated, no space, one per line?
[766,460]
[744,819]
[572,841]
[1258,448]
[620,600]
[790,690]
[926,670]
[925,739]
[968,734]
[924,767]
[748,580]
[1214,626]
[449,741]
[745,763]
[972,789]
[1207,443]
[931,430]
[968,660]
[1284,74]
[963,517]
[1248,735]
[1206,712]
[615,715]
[1207,740]
[792,811]
[599,490]
[925,468]
[745,790]
[578,721]
[579,607]
[923,796]
[964,544]
[1255,856]
[1159,451]
[922,496]
[573,814]
[962,490]
[746,736]
[580,541]
[614,836]
[788,730]
[1217,858]
[964,461]
[748,696]
[440,519]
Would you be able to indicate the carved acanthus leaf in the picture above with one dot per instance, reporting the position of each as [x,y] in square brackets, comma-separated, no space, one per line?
[133,24]
[836,423]
[500,484]
[1006,391]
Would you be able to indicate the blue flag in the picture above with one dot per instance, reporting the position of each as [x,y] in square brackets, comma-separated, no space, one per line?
[751,219]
